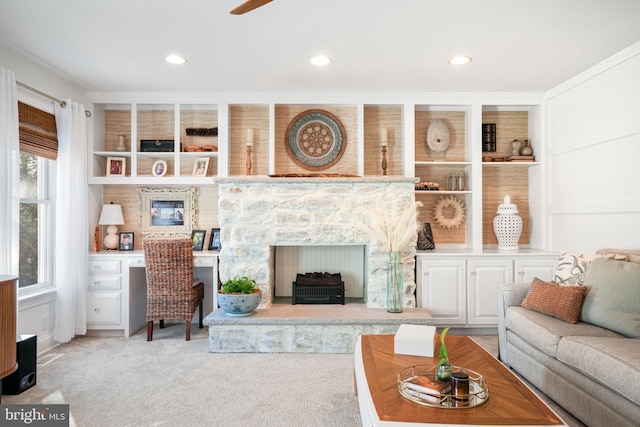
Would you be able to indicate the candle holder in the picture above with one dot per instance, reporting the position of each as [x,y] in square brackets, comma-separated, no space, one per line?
[249,163]
[384,158]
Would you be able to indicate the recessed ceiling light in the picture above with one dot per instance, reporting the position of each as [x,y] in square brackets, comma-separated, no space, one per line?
[175,59]
[320,60]
[460,60]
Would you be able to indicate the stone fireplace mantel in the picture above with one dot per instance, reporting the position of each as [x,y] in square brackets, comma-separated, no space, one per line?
[311,179]
[258,213]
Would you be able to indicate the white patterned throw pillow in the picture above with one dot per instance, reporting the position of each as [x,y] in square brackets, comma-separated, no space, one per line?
[572,266]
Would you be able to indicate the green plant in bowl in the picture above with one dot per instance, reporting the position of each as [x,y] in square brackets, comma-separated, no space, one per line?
[239,296]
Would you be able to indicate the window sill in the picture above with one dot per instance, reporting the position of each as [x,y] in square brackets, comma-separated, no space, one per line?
[28,298]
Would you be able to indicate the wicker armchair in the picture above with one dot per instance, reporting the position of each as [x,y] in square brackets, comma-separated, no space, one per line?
[172,291]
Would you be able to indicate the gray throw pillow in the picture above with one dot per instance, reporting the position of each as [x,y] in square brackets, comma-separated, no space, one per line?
[613,301]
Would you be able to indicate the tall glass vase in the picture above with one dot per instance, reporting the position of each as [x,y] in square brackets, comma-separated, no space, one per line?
[394,283]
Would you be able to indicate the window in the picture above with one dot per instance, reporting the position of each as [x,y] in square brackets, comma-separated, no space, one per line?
[38,151]
[36,220]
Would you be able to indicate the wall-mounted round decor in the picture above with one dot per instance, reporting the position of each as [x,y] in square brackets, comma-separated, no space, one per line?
[438,136]
[449,212]
[316,139]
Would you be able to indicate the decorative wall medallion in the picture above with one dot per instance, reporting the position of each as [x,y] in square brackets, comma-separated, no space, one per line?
[449,212]
[316,139]
[438,136]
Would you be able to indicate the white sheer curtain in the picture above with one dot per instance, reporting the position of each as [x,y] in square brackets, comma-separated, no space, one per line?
[9,174]
[72,236]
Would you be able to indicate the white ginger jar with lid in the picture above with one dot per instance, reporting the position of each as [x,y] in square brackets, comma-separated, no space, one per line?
[507,226]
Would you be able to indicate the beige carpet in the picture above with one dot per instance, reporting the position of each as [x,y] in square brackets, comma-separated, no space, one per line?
[118,382]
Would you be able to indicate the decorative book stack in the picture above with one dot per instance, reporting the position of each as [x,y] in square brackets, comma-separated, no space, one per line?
[530,158]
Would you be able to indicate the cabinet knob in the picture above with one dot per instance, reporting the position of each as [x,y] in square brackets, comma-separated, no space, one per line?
[97,310]
[521,273]
[97,283]
[140,261]
[473,273]
[96,267]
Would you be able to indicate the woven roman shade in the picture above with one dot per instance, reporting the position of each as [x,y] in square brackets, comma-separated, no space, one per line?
[38,132]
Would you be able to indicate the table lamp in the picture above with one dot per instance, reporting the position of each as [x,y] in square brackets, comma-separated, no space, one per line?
[111,216]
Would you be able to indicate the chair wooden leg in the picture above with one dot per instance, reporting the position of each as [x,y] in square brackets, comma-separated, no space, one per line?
[162,324]
[188,332]
[200,316]
[150,330]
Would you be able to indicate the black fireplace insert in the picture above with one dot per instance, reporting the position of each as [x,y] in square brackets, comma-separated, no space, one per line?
[318,288]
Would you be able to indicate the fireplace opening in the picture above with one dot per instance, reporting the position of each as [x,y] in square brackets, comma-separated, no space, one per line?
[348,260]
[317,288]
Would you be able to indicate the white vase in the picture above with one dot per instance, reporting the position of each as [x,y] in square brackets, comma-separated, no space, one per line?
[121,146]
[507,226]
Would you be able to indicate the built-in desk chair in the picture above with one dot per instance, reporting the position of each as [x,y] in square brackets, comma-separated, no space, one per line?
[172,291]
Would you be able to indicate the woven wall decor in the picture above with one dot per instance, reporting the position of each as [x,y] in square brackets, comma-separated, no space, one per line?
[449,212]
[316,139]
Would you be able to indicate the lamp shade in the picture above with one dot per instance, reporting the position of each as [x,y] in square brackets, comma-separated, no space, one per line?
[111,215]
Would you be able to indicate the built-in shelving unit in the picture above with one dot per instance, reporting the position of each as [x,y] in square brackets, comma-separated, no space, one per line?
[166,122]
[404,118]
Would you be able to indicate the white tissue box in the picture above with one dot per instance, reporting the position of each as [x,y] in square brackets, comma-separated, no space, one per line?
[415,340]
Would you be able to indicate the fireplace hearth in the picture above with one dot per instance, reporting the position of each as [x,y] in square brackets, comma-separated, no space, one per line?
[318,288]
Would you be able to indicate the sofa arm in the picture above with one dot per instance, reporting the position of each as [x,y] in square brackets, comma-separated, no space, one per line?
[510,294]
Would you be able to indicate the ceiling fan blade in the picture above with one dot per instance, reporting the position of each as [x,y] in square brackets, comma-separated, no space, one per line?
[248,6]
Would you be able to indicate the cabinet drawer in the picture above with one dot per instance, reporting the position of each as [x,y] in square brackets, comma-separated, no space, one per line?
[104,308]
[102,282]
[104,266]
[203,261]
[136,262]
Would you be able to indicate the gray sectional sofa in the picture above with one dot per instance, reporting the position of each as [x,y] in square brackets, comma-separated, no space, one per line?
[591,368]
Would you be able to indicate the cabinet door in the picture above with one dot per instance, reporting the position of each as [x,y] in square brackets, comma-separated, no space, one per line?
[104,308]
[484,278]
[441,286]
[528,269]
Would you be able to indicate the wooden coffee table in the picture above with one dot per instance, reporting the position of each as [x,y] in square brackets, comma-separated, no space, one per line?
[510,403]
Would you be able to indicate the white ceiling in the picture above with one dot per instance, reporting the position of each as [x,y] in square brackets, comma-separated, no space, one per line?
[376,45]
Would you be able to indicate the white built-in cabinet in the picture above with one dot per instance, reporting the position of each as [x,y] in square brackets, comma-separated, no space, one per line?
[104,295]
[461,289]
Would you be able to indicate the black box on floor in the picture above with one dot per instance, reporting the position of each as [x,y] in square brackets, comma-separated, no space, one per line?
[25,377]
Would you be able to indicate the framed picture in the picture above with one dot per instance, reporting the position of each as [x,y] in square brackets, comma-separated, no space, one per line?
[116,166]
[200,167]
[159,168]
[126,241]
[214,240]
[197,239]
[168,212]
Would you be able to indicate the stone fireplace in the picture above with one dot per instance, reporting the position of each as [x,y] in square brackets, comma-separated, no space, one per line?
[257,214]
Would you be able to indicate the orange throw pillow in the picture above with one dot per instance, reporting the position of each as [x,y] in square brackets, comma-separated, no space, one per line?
[563,302]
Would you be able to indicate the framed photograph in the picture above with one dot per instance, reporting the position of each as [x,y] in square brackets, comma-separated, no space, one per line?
[116,166]
[214,240]
[200,167]
[126,241]
[197,239]
[168,212]
[159,168]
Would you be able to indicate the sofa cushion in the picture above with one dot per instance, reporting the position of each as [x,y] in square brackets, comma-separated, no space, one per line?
[563,302]
[572,266]
[614,362]
[544,332]
[633,255]
[613,301]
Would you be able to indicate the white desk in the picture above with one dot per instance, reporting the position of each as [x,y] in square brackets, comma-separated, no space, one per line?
[117,290]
